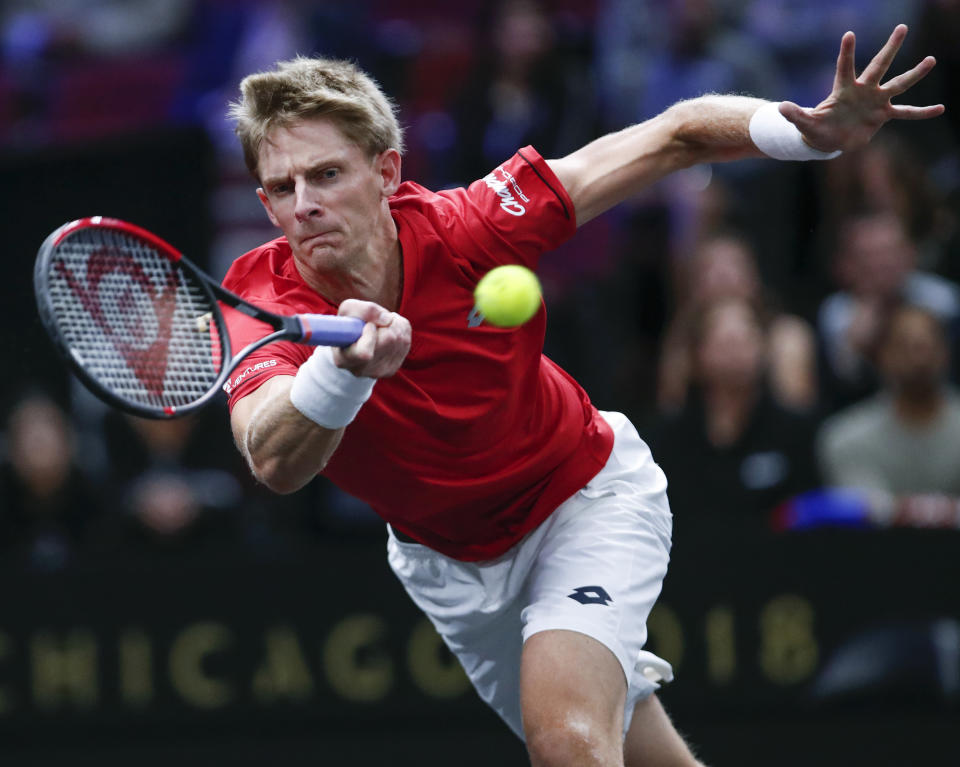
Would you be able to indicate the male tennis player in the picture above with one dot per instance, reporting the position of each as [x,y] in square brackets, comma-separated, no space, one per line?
[532,529]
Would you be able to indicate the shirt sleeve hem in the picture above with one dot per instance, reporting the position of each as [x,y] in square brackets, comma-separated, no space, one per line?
[540,166]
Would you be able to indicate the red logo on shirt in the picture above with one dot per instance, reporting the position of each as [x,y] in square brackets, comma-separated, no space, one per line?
[505,188]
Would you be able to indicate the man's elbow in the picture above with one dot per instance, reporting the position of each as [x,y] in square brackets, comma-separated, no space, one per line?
[278,477]
[688,144]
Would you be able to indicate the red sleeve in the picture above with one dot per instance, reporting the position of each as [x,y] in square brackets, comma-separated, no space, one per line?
[513,214]
[280,358]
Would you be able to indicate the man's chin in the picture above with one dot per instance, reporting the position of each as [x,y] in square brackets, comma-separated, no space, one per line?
[319,254]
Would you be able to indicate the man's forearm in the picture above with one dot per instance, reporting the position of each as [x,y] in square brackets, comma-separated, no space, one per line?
[619,165]
[716,128]
[284,449]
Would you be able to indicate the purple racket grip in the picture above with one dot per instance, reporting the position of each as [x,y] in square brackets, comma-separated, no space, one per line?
[329,329]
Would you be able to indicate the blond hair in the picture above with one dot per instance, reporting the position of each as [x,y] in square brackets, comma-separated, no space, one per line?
[303,88]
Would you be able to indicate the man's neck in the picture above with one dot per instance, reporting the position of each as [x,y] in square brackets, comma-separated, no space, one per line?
[728,410]
[917,411]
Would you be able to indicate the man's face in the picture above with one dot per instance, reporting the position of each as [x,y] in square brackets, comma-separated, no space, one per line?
[323,191]
[731,350]
[914,353]
[722,269]
[879,257]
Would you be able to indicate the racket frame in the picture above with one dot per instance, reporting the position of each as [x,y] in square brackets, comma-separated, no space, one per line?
[286,327]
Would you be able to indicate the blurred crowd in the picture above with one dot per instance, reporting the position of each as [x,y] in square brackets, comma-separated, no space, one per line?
[784,334]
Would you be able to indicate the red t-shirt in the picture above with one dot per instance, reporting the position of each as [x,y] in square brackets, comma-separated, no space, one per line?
[478,437]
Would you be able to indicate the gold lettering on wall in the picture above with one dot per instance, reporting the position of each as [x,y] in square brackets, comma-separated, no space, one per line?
[354,660]
[284,673]
[433,669]
[721,644]
[665,635]
[135,659]
[788,646]
[187,653]
[64,669]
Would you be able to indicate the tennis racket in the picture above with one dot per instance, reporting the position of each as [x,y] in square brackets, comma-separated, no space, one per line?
[142,327]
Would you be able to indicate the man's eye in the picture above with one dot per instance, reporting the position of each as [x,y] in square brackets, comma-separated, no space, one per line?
[331,173]
[281,189]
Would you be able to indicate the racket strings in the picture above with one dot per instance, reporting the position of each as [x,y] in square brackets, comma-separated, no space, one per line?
[137,323]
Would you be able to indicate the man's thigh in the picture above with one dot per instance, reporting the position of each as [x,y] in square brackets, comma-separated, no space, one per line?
[572,692]
[600,568]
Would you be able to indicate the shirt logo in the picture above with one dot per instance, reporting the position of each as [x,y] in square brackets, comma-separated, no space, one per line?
[475,318]
[505,188]
[229,386]
[591,595]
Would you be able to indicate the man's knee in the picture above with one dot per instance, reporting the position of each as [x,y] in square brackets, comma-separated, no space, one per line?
[572,741]
[572,691]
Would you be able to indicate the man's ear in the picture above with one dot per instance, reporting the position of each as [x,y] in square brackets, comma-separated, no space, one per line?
[265,201]
[389,162]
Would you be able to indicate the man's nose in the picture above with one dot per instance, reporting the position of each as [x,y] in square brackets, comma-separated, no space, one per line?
[307,205]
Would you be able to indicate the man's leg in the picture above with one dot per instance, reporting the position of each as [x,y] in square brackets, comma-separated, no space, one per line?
[652,739]
[572,693]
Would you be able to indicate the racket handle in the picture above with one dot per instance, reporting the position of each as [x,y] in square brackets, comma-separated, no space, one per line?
[329,329]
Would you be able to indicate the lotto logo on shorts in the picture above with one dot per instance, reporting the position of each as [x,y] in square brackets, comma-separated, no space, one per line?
[591,595]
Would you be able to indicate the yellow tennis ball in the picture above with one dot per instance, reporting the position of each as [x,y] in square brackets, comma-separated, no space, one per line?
[508,295]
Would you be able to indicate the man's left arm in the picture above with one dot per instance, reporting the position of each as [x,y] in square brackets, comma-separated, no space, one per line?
[723,128]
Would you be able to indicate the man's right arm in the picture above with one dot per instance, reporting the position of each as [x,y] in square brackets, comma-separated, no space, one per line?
[290,426]
[283,448]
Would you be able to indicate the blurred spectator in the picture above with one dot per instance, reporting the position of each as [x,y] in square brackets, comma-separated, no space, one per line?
[804,36]
[936,34]
[724,266]
[888,176]
[47,509]
[875,265]
[177,484]
[95,26]
[733,452]
[527,88]
[81,69]
[905,441]
[652,54]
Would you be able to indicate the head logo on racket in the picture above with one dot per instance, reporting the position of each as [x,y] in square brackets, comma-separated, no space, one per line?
[139,329]
[142,327]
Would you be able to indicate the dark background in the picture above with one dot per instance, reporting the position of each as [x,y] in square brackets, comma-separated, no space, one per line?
[285,638]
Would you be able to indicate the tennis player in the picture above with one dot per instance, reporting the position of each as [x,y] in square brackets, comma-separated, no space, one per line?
[533,530]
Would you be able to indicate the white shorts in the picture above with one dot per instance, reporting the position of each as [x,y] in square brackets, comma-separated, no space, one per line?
[594,566]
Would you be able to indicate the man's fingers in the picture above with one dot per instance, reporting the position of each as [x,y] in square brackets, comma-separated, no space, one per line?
[381,348]
[877,68]
[365,310]
[797,115]
[897,85]
[846,70]
[363,348]
[386,319]
[917,113]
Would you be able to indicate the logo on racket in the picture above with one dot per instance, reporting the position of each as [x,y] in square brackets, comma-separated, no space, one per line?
[136,316]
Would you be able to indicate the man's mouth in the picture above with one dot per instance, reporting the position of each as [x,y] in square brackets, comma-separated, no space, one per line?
[311,237]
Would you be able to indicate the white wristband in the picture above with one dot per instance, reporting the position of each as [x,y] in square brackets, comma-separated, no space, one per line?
[779,138]
[329,396]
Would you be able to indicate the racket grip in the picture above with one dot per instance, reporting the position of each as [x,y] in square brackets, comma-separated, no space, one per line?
[329,329]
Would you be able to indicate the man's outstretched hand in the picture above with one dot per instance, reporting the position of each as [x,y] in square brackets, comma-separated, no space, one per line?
[858,106]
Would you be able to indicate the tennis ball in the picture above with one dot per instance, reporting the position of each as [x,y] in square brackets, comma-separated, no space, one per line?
[508,295]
